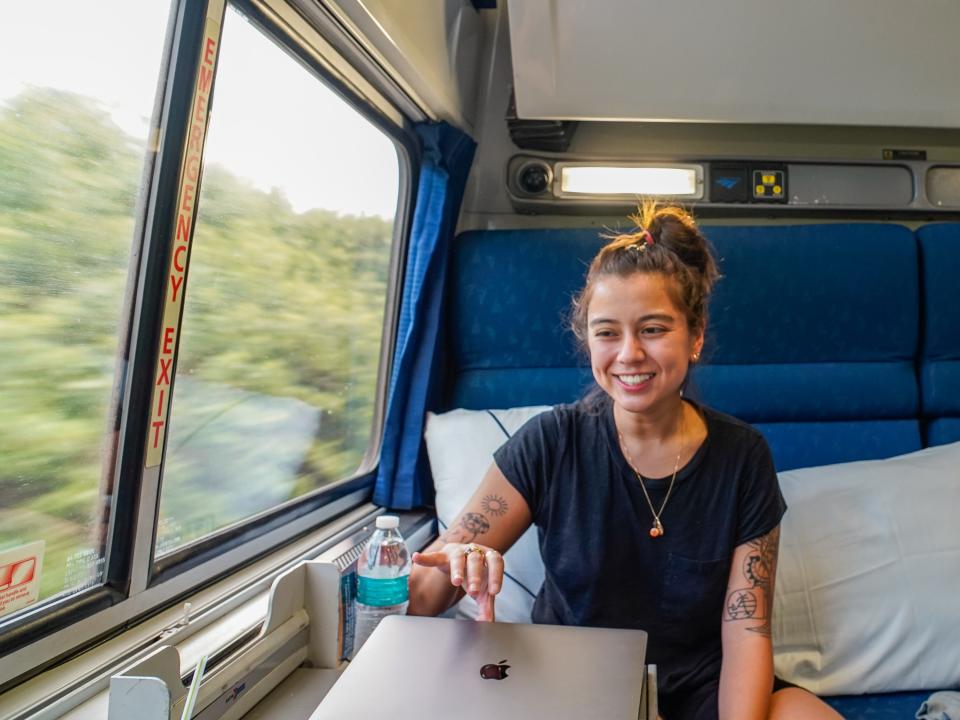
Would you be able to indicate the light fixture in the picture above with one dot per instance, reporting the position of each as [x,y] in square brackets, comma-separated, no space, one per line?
[684,181]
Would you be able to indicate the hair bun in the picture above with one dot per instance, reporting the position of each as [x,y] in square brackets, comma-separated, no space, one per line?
[665,240]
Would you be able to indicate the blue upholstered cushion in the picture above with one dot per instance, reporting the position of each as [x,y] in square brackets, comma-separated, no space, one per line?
[825,341]
[809,391]
[940,386]
[940,373]
[510,297]
[805,325]
[482,389]
[815,293]
[943,431]
[811,444]
[885,706]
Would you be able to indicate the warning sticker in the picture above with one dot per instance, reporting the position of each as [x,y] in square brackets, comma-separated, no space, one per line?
[20,571]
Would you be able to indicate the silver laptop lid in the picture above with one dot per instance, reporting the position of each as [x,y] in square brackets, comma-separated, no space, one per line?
[416,668]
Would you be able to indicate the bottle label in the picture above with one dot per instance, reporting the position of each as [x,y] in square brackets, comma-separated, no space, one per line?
[380,592]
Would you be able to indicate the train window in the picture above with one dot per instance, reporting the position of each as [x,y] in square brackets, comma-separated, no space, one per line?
[76,95]
[276,378]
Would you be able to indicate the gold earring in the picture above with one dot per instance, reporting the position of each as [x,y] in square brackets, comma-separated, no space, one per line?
[695,357]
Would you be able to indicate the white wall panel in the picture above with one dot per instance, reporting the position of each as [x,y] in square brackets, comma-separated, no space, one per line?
[429,47]
[840,62]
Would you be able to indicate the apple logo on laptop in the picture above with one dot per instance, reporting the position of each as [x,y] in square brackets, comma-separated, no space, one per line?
[494,671]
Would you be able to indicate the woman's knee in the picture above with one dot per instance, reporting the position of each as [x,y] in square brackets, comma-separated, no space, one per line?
[798,704]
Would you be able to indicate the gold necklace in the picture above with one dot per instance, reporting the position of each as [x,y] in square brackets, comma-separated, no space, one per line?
[657,529]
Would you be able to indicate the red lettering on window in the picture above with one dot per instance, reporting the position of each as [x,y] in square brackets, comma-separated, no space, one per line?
[186,204]
[193,167]
[200,111]
[167,341]
[206,77]
[164,378]
[175,281]
[176,254]
[157,424]
[209,51]
[183,227]
[160,402]
[196,132]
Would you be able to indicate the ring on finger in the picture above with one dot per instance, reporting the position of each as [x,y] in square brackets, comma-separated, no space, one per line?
[470,548]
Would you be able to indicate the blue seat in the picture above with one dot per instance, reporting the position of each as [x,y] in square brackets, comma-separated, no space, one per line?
[509,345]
[940,361]
[809,343]
[882,706]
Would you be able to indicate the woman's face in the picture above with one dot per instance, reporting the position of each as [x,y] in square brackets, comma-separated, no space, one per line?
[639,340]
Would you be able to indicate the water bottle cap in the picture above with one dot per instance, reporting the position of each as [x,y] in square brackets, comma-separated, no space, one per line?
[387,522]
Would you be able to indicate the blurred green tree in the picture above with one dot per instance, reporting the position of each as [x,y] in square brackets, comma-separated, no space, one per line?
[279,305]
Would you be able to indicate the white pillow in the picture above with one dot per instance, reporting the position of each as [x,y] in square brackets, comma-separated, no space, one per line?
[868,582]
[460,445]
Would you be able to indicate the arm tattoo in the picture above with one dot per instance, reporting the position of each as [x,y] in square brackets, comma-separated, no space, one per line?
[474,523]
[755,602]
[455,535]
[470,526]
[494,505]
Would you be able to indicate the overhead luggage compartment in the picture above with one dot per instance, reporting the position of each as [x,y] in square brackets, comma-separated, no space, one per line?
[857,62]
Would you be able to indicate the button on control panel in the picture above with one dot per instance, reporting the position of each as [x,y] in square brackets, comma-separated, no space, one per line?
[769,184]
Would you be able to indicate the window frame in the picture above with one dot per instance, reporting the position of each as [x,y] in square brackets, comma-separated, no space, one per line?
[135,585]
[30,625]
[237,534]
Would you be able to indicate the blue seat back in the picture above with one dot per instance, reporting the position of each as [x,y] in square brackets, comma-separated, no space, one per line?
[814,337]
[510,295]
[814,332]
[940,362]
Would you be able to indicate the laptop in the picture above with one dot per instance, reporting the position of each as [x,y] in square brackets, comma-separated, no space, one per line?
[419,668]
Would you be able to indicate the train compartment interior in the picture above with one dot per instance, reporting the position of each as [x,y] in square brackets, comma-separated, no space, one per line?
[385,349]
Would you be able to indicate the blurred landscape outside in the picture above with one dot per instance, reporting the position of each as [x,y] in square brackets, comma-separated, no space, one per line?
[277,366]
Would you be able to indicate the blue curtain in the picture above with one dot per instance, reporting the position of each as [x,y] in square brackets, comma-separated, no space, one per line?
[402,478]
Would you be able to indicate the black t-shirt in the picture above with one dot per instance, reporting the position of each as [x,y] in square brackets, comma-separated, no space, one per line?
[603,569]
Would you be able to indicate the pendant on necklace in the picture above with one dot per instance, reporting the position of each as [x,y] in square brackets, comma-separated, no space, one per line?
[657,529]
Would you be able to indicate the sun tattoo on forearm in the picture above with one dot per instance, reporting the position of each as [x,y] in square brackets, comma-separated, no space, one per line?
[755,602]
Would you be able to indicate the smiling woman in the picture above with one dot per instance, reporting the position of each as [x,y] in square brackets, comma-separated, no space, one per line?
[639,342]
[641,316]
[649,506]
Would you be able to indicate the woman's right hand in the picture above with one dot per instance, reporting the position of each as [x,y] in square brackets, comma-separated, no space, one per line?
[476,568]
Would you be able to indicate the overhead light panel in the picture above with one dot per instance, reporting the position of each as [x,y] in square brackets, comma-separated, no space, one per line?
[684,181]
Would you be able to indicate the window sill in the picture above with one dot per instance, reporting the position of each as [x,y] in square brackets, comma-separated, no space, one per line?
[218,617]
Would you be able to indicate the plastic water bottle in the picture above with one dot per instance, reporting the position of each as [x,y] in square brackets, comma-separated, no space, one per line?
[383,577]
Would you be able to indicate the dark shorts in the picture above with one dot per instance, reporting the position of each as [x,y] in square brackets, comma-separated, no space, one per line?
[702,703]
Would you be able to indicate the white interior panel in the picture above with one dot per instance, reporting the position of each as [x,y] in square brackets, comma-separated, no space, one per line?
[430,48]
[854,62]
